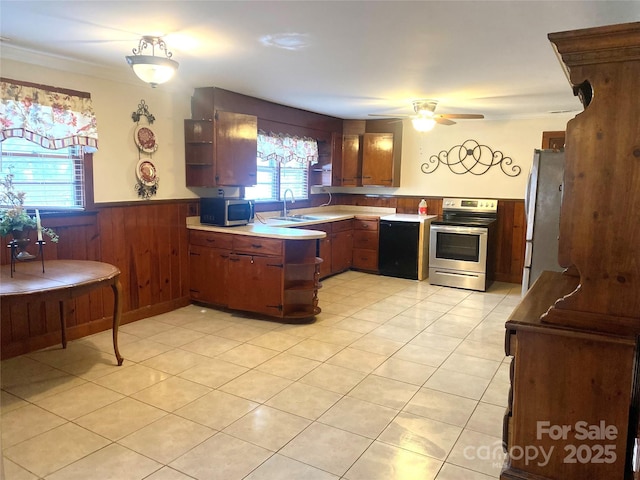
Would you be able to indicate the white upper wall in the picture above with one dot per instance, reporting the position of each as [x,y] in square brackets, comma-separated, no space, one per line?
[115,100]
[515,139]
[117,156]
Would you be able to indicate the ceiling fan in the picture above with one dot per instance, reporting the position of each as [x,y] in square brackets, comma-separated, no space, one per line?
[425,117]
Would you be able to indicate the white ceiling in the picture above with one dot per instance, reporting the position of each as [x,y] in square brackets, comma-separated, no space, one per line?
[362,57]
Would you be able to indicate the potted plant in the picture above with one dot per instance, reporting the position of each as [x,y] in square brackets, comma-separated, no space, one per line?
[14,218]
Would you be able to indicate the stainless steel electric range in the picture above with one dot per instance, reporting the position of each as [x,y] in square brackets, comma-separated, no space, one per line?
[461,243]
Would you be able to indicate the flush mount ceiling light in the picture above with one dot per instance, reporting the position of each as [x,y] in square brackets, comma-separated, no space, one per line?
[151,68]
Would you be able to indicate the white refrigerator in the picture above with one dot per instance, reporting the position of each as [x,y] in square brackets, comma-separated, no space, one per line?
[542,207]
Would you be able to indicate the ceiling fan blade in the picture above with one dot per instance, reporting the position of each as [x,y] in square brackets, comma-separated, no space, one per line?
[468,116]
[443,121]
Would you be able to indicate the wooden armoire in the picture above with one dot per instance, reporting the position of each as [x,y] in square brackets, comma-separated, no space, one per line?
[575,396]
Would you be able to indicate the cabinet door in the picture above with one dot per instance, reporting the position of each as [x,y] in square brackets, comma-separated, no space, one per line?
[553,140]
[324,249]
[257,284]
[351,160]
[341,250]
[236,144]
[336,158]
[377,159]
[208,274]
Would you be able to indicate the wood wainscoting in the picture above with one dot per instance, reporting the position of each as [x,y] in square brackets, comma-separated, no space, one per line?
[512,225]
[148,242]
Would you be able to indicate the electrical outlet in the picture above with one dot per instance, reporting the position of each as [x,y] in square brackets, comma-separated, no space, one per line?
[221,192]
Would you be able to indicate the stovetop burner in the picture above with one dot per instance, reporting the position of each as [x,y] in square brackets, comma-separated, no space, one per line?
[467,212]
[463,221]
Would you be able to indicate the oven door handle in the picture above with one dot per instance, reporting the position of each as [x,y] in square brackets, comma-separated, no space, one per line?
[458,229]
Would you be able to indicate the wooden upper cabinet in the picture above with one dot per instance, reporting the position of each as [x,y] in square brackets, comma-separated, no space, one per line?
[553,140]
[236,148]
[351,163]
[378,159]
[221,151]
[337,144]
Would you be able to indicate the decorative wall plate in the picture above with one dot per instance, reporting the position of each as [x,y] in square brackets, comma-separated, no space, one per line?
[145,139]
[146,172]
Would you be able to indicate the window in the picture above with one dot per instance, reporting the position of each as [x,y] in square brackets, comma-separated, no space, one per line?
[283,163]
[47,136]
[50,178]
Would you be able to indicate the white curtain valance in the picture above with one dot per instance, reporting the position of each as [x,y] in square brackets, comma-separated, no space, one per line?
[52,119]
[288,150]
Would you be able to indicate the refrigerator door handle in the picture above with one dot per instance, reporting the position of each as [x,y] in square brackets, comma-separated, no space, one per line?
[526,196]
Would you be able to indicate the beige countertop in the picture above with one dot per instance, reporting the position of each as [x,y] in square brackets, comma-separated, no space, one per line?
[266,225]
[408,217]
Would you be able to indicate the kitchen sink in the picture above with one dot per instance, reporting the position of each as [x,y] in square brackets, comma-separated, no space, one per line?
[297,218]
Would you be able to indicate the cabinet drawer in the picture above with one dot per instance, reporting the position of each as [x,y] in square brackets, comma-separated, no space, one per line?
[210,239]
[365,239]
[370,224]
[342,225]
[365,259]
[257,245]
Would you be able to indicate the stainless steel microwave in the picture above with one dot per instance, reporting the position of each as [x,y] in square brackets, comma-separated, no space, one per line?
[226,212]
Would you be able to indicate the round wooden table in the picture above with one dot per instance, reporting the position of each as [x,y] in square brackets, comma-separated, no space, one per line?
[62,280]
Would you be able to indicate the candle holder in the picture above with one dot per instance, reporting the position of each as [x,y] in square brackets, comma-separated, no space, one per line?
[20,254]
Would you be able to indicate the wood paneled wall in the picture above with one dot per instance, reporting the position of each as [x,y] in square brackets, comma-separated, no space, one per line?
[148,242]
[511,228]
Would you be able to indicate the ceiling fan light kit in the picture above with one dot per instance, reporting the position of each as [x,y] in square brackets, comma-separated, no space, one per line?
[425,117]
[152,69]
[423,124]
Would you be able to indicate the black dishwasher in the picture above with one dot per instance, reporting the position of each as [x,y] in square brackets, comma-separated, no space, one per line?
[398,253]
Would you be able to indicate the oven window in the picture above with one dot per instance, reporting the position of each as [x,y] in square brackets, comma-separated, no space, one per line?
[458,246]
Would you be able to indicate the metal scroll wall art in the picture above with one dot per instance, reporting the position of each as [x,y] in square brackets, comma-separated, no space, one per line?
[471,157]
[145,140]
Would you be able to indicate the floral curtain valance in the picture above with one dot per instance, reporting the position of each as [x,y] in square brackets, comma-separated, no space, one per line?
[52,119]
[289,150]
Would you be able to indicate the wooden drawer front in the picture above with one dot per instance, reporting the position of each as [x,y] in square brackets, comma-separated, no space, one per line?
[342,225]
[365,259]
[257,245]
[210,239]
[364,239]
[365,224]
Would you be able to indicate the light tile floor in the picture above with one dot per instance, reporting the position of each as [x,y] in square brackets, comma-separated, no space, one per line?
[395,380]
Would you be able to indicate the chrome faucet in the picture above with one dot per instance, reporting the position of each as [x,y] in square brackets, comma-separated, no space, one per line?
[284,201]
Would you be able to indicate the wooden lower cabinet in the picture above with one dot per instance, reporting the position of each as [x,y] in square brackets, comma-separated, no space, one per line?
[209,274]
[573,405]
[256,284]
[341,245]
[274,277]
[324,250]
[365,244]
